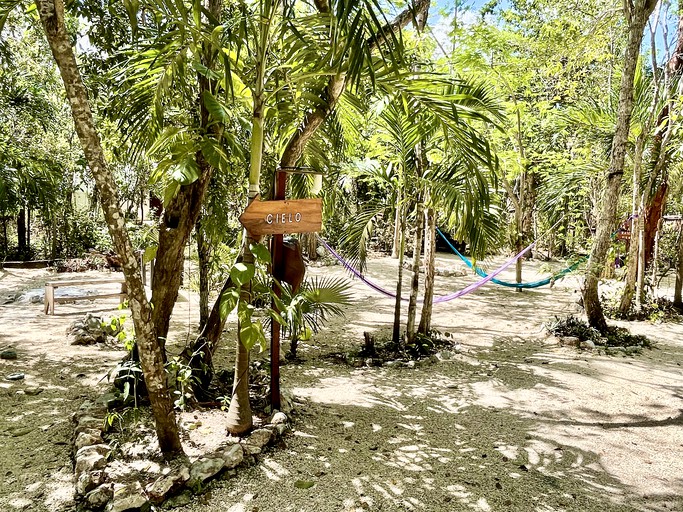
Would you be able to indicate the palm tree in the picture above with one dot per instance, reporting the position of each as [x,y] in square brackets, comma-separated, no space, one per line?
[421,117]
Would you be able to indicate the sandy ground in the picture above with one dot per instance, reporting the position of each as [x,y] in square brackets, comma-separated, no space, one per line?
[513,423]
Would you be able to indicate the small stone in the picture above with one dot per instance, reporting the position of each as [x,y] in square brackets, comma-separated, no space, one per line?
[570,341]
[88,481]
[99,497]
[278,418]
[128,498]
[251,449]
[409,364]
[86,439]
[233,456]
[167,484]
[101,449]
[160,488]
[206,467]
[260,438]
[10,353]
[282,428]
[89,462]
[34,391]
[588,344]
[15,376]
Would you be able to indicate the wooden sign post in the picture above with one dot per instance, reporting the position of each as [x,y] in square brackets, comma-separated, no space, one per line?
[280,217]
[277,218]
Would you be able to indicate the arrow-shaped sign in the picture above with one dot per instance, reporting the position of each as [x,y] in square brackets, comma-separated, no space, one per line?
[281,217]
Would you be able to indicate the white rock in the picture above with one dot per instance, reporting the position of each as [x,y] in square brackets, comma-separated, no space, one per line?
[102,449]
[260,437]
[98,498]
[205,468]
[88,481]
[278,418]
[130,497]
[233,456]
[87,439]
[89,462]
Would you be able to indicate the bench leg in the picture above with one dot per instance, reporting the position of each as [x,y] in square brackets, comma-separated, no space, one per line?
[49,300]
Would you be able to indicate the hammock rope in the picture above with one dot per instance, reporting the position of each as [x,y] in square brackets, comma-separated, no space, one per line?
[534,284]
[438,300]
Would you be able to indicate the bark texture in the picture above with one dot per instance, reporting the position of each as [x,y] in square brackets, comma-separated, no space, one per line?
[637,14]
[678,296]
[415,280]
[151,358]
[429,258]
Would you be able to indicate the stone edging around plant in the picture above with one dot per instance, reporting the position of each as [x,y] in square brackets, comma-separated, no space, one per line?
[96,491]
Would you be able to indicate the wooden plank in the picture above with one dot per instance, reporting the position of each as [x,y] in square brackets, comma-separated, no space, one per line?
[58,284]
[89,297]
[280,217]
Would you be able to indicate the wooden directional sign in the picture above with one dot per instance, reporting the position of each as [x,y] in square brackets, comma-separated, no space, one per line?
[281,217]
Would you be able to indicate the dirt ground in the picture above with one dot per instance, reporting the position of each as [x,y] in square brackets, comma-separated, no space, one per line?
[511,422]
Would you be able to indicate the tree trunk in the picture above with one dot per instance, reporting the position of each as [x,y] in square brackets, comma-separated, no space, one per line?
[678,299]
[204,257]
[632,259]
[653,215]
[183,211]
[398,228]
[660,158]
[396,332]
[21,233]
[151,357]
[640,282]
[430,257]
[636,16]
[415,281]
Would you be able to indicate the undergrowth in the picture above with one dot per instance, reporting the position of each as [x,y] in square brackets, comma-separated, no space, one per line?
[653,309]
[376,353]
[616,337]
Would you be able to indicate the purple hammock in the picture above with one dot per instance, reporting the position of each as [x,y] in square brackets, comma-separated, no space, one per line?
[444,298]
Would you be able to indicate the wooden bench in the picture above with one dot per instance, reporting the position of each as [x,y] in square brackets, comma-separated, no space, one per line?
[51,286]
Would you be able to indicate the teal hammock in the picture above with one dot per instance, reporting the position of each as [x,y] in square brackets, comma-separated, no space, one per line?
[534,284]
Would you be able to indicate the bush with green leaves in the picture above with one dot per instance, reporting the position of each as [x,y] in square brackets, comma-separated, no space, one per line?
[571,326]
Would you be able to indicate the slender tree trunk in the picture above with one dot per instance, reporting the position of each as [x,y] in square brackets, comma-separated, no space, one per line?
[398,228]
[678,296]
[183,211]
[204,257]
[636,16]
[396,332]
[21,233]
[640,282]
[655,257]
[632,259]
[660,157]
[151,357]
[415,281]
[430,257]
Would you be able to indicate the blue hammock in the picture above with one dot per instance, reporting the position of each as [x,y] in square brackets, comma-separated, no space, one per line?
[534,284]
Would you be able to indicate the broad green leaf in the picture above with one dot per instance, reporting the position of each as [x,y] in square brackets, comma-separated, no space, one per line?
[261,253]
[170,192]
[250,333]
[229,300]
[150,253]
[242,273]
[215,108]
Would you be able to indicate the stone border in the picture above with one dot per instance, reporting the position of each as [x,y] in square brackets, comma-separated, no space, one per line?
[96,491]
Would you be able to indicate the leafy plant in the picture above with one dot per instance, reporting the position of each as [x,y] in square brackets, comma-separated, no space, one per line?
[303,313]
[616,336]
